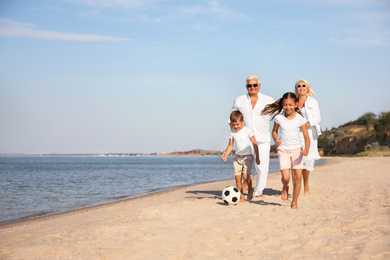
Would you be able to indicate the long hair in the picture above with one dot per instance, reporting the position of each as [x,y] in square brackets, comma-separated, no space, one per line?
[310,91]
[277,107]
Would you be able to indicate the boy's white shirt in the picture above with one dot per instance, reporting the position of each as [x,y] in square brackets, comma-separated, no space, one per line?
[242,140]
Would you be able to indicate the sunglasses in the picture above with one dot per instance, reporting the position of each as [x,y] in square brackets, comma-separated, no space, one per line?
[303,86]
[252,85]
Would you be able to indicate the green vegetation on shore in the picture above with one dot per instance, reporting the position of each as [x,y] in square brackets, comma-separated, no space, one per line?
[369,135]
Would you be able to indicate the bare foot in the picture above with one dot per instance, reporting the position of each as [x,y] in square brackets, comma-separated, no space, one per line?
[260,196]
[285,194]
[294,206]
[307,190]
[242,199]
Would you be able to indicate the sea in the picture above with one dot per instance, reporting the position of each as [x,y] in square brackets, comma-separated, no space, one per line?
[36,186]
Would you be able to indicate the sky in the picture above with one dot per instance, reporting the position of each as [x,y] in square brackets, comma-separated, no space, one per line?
[145,76]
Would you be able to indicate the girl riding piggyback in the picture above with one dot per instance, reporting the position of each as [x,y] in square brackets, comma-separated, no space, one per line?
[289,122]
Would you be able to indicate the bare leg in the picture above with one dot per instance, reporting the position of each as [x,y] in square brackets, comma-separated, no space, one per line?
[297,182]
[285,181]
[239,187]
[244,184]
[305,174]
[248,182]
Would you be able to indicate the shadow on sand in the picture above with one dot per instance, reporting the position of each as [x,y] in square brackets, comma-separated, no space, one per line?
[272,192]
[213,194]
[202,194]
[264,203]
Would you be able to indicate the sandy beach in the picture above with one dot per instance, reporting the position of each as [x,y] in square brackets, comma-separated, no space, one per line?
[346,216]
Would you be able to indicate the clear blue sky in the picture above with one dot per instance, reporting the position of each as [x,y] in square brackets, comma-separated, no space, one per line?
[81,76]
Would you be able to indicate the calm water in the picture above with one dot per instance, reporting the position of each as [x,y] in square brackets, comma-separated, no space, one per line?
[39,186]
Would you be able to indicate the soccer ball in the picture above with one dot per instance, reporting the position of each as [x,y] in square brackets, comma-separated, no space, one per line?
[231,195]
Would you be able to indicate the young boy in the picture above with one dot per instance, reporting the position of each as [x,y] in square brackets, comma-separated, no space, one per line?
[243,159]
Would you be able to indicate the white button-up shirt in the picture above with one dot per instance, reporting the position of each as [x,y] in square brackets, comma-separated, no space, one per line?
[313,116]
[260,124]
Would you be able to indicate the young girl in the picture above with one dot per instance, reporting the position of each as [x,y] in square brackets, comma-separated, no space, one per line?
[289,120]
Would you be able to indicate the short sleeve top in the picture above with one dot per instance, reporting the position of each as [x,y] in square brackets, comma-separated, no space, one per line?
[289,131]
[242,140]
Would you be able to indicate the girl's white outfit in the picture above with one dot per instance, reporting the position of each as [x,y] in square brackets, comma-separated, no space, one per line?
[311,112]
[290,130]
[289,152]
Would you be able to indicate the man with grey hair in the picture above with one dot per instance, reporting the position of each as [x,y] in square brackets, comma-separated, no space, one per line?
[251,105]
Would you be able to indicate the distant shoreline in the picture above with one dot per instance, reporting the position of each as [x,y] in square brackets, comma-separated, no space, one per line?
[195,152]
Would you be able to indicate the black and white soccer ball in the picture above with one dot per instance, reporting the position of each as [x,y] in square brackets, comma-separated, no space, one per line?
[231,195]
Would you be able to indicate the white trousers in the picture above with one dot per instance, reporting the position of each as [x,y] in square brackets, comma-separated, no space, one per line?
[262,168]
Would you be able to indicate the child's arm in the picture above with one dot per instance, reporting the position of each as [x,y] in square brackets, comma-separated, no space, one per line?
[228,149]
[275,134]
[307,140]
[254,143]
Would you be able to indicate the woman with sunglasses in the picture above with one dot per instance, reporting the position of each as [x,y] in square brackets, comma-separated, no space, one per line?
[311,111]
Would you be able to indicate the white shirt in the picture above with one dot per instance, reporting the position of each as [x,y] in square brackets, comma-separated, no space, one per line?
[259,124]
[289,131]
[242,140]
[311,111]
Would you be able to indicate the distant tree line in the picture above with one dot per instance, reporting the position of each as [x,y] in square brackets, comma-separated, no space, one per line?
[376,138]
[381,122]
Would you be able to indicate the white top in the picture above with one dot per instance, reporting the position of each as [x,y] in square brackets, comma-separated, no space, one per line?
[259,124]
[289,131]
[311,112]
[242,140]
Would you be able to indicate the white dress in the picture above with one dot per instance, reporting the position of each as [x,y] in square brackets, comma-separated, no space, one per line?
[311,112]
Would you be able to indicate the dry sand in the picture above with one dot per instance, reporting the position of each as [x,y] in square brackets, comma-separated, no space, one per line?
[346,216]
